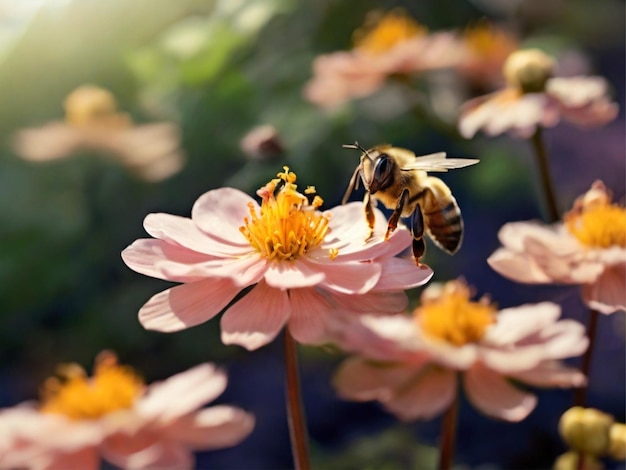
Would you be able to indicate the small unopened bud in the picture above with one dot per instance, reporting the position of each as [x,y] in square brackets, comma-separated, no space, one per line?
[262,143]
[617,449]
[586,430]
[569,461]
[528,70]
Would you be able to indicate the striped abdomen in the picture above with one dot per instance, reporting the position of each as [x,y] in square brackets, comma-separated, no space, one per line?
[444,224]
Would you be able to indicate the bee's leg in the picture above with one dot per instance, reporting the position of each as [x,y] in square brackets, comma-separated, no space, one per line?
[397,212]
[369,214]
[417,229]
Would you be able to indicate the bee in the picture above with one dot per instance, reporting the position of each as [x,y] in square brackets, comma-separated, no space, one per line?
[397,178]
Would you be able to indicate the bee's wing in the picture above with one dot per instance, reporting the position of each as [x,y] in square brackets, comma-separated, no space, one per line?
[439,162]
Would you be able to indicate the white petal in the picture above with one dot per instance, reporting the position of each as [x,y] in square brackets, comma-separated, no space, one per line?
[292,274]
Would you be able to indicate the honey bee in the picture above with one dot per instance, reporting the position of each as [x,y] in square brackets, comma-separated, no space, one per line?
[397,178]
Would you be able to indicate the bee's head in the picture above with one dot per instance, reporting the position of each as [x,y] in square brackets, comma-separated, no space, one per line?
[376,167]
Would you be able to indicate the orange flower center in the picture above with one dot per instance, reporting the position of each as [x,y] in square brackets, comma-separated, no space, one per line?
[600,226]
[453,318]
[381,33]
[113,387]
[287,226]
[487,41]
[93,106]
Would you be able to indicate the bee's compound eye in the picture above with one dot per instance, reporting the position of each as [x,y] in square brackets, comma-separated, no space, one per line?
[383,167]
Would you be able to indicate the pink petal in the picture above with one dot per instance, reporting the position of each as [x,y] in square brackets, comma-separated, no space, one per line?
[517,267]
[182,393]
[361,380]
[402,274]
[577,91]
[187,305]
[348,278]
[221,212]
[449,355]
[372,301]
[492,394]
[49,142]
[424,396]
[144,255]
[292,274]
[551,374]
[85,459]
[309,317]
[242,271]
[145,451]
[211,428]
[607,294]
[516,323]
[256,319]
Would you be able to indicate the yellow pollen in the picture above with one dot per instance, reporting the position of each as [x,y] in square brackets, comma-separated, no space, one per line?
[380,33]
[113,387]
[600,226]
[333,253]
[93,106]
[453,318]
[488,41]
[287,225]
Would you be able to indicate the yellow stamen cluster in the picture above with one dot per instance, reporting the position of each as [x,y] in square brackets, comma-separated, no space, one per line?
[382,32]
[93,106]
[595,222]
[453,318]
[486,41]
[601,227]
[288,225]
[112,388]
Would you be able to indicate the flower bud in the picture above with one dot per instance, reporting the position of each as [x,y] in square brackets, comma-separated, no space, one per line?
[262,143]
[528,70]
[569,461]
[586,430]
[617,448]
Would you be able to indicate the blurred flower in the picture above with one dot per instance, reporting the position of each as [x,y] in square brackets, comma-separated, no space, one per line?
[262,143]
[587,248]
[570,461]
[305,265]
[114,415]
[487,49]
[617,447]
[388,44]
[92,122]
[534,97]
[412,364]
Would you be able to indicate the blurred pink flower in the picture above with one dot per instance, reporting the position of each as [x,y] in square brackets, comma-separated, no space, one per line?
[305,265]
[412,365]
[533,97]
[389,44]
[113,415]
[92,122]
[588,248]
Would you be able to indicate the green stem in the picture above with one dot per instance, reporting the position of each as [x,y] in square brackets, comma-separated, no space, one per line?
[295,412]
[448,434]
[544,173]
[580,397]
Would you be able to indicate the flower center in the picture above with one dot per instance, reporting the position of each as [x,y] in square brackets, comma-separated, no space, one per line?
[600,226]
[113,387]
[453,318]
[487,41]
[382,32]
[528,70]
[93,106]
[288,225]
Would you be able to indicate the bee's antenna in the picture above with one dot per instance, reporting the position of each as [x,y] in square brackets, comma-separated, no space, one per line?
[357,146]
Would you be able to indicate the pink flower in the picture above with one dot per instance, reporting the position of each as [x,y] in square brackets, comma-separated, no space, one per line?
[588,248]
[113,415]
[533,97]
[413,365]
[305,265]
[92,122]
[388,44]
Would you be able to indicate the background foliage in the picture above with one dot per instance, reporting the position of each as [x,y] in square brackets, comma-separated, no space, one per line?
[218,69]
